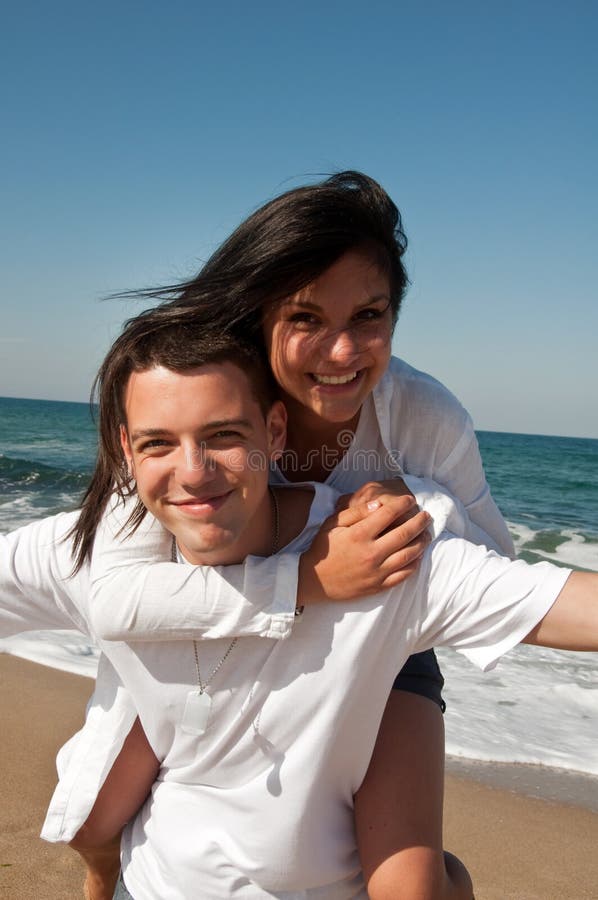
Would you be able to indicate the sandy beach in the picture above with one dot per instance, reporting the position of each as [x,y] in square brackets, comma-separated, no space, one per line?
[525,833]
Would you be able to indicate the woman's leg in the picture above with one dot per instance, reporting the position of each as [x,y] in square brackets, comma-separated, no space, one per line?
[398,809]
[126,786]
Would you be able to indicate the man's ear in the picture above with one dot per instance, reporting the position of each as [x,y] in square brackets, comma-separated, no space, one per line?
[276,423]
[126,448]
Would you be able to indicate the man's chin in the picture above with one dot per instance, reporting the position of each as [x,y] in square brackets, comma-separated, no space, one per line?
[210,550]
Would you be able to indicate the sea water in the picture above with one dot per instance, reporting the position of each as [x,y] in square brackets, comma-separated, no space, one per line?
[536,706]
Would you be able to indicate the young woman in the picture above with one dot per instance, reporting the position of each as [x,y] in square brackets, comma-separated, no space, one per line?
[316,277]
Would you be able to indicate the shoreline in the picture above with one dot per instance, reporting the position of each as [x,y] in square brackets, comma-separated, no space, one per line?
[566,786]
[525,832]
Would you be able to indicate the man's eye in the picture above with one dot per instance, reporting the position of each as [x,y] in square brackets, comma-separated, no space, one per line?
[153,444]
[228,435]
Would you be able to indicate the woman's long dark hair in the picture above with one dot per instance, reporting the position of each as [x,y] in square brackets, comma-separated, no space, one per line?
[286,244]
[282,247]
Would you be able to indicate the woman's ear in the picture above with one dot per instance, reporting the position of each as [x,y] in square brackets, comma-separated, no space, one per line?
[276,423]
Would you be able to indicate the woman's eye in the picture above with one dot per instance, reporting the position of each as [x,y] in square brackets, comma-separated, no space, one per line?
[369,315]
[303,318]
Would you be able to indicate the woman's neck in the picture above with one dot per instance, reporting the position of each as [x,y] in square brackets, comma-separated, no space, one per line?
[314,446]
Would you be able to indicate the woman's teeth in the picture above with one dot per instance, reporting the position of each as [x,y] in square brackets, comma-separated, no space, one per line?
[334,379]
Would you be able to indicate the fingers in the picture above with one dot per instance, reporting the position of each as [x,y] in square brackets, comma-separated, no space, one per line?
[399,537]
[376,515]
[400,565]
[360,551]
[391,531]
[398,577]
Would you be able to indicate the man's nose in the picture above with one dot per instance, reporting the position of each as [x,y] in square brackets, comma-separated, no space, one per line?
[196,465]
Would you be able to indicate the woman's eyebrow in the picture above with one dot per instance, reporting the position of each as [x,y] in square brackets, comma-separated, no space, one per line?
[309,304]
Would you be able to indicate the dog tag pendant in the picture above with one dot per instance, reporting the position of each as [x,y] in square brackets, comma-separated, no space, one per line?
[197,712]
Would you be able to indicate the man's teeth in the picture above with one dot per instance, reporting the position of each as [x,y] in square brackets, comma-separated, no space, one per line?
[335,379]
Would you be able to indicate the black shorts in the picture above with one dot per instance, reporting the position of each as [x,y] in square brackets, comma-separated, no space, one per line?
[421,675]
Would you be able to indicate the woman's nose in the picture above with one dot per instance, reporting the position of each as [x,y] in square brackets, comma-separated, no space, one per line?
[341,345]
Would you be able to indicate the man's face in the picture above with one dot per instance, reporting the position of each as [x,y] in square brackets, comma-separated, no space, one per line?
[199,446]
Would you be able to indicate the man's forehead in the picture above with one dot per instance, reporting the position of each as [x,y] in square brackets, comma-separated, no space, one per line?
[225,375]
[219,392]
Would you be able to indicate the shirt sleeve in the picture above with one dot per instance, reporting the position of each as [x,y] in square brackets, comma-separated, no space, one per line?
[86,759]
[138,594]
[37,587]
[480,603]
[462,472]
[435,438]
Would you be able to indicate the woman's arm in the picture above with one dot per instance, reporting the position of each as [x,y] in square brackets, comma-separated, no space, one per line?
[36,590]
[427,430]
[463,474]
[123,793]
[138,594]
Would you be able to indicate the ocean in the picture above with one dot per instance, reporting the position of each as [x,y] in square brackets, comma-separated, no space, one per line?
[536,706]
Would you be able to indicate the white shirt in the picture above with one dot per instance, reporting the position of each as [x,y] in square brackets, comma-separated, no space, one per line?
[409,424]
[261,804]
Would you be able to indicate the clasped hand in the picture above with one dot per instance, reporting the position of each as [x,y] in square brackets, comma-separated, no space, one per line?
[373,541]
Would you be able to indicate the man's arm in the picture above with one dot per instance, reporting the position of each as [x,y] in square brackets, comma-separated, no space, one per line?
[571,623]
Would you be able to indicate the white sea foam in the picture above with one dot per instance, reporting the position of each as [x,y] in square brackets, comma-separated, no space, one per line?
[537,706]
[27,508]
[575,551]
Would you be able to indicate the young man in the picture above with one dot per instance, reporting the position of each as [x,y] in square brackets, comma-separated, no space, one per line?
[262,743]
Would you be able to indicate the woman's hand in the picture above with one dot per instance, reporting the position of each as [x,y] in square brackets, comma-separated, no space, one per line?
[374,543]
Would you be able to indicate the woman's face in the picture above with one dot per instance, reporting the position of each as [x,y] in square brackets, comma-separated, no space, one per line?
[329,344]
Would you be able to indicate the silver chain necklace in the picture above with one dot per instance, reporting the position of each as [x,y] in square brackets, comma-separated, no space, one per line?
[199,704]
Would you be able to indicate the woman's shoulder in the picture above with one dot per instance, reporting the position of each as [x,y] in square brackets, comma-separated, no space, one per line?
[420,418]
[407,385]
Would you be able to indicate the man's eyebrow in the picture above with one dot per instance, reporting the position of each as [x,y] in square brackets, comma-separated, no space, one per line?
[226,423]
[147,432]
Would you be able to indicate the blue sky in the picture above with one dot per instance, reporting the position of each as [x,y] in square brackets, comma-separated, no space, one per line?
[136,135]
